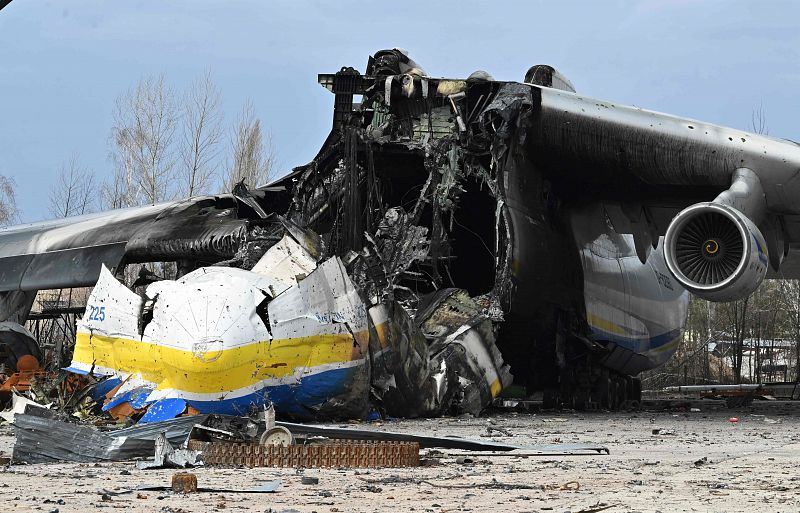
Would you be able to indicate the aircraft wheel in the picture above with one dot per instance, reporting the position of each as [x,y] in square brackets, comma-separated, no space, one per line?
[635,393]
[602,390]
[580,401]
[617,395]
[623,392]
[550,400]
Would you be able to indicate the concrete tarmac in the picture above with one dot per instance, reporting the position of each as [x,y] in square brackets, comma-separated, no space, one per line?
[666,461]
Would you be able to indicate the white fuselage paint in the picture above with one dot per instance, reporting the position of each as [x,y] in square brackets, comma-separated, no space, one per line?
[636,306]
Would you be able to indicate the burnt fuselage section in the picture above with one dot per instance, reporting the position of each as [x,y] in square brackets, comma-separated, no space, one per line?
[436,183]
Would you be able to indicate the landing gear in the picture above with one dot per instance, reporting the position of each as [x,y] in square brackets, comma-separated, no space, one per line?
[602,391]
[634,393]
[591,387]
[581,399]
[551,399]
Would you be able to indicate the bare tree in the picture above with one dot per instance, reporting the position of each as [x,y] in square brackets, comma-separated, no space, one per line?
[145,122]
[738,325]
[253,154]
[8,201]
[201,137]
[118,192]
[789,302]
[758,120]
[72,194]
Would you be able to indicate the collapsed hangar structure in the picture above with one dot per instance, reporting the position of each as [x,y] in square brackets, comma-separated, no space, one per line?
[446,230]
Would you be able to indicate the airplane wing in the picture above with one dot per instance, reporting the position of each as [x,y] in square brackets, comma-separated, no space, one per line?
[69,252]
[649,166]
[624,153]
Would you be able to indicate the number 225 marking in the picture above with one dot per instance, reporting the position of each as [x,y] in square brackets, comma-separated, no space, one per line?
[97,313]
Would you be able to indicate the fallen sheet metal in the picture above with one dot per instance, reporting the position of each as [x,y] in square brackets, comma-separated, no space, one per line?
[428,442]
[42,440]
[167,456]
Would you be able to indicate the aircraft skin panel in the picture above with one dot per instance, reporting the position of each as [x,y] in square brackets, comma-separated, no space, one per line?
[292,399]
[635,306]
[290,394]
[229,369]
[213,348]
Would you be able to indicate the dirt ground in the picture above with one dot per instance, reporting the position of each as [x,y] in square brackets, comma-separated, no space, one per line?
[699,461]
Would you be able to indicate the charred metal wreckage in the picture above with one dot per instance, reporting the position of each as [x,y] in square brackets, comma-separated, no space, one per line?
[446,229]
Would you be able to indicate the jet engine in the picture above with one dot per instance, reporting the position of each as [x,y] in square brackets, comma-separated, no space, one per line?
[716,252]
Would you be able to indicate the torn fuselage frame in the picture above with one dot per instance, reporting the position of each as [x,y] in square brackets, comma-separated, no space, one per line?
[408,155]
[451,159]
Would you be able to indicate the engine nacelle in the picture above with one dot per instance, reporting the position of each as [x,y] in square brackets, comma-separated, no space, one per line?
[716,252]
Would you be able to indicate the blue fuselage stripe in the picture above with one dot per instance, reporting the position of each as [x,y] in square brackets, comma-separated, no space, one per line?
[635,344]
[295,399]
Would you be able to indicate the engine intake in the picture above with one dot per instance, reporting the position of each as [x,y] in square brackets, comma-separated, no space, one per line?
[716,252]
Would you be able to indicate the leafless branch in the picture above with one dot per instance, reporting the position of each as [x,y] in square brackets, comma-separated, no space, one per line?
[8,201]
[759,120]
[145,122]
[252,153]
[72,194]
[201,137]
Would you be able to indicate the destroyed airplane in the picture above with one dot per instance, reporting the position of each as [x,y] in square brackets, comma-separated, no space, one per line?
[289,332]
[446,227]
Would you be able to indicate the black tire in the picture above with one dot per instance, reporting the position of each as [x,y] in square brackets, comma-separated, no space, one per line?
[580,400]
[550,399]
[602,391]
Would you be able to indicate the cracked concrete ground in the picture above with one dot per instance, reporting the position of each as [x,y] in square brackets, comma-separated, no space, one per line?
[698,461]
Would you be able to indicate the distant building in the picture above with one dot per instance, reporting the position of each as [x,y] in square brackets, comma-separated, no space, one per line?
[763,361]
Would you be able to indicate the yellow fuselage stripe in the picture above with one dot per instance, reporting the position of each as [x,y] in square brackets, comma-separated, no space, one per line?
[215,371]
[599,322]
[495,388]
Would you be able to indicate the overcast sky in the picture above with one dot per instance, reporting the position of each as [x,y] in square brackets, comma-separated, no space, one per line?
[63,63]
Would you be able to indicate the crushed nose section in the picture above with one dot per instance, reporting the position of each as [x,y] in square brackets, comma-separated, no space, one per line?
[207,341]
[321,324]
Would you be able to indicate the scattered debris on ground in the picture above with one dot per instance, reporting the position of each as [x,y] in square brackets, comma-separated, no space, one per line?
[747,466]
